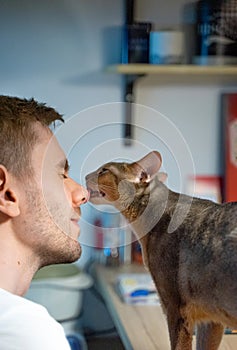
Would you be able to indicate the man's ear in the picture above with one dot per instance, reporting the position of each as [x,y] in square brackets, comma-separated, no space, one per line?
[8,197]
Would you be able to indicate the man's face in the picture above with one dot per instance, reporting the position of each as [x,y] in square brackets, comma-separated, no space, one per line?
[51,210]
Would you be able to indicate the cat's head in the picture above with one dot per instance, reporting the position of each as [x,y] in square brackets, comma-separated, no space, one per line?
[119,184]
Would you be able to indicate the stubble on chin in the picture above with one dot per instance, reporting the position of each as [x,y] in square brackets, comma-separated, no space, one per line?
[63,256]
[47,230]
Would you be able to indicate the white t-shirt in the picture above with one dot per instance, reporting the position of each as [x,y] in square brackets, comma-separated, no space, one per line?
[25,325]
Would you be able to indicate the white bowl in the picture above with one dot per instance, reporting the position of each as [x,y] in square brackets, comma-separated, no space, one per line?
[59,288]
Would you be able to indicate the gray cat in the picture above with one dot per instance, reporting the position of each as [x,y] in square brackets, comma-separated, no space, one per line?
[189,246]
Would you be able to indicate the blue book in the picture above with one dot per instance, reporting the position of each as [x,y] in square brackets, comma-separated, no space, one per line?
[137,288]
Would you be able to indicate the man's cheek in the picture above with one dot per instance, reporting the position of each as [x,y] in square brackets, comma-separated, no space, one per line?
[56,195]
[67,194]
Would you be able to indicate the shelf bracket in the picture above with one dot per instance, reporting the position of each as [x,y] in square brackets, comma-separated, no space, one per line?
[129,99]
[129,81]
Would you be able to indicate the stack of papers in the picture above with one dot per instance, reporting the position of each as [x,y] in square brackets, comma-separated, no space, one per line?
[137,288]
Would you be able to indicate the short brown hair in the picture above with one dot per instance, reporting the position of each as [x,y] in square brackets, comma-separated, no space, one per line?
[17,132]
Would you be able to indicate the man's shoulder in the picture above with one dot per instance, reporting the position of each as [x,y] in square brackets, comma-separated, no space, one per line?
[14,303]
[29,323]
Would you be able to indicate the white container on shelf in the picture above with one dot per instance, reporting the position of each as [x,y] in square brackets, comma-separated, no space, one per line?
[166,47]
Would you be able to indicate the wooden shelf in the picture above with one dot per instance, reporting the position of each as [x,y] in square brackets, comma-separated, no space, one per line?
[169,75]
[141,69]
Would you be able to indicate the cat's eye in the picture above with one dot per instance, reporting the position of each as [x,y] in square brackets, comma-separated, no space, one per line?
[103,170]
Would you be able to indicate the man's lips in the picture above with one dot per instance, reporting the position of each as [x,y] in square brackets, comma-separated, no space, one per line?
[75,222]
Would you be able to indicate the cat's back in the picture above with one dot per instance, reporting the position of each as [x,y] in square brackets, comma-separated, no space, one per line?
[211,219]
[208,254]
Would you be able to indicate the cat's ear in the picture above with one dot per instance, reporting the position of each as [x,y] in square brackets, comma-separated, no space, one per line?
[147,167]
[162,177]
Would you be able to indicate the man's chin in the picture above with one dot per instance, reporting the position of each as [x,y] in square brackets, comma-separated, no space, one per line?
[75,252]
[71,252]
[79,251]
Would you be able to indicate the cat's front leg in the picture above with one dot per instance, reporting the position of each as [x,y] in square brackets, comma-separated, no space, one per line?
[180,331]
[209,336]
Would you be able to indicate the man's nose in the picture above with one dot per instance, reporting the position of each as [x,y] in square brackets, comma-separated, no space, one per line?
[79,194]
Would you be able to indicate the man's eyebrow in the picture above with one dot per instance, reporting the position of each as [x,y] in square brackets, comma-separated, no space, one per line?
[63,164]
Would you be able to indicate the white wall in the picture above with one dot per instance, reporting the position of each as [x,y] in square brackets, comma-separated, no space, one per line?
[56,51]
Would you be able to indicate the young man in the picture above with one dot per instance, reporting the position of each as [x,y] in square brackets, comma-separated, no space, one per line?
[39,211]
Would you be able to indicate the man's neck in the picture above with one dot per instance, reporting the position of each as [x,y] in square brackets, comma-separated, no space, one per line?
[17,265]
